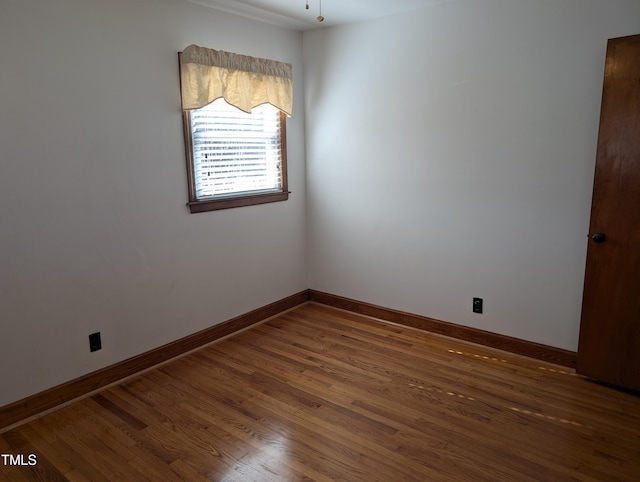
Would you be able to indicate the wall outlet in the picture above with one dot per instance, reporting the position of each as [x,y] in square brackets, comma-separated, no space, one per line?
[477,305]
[95,343]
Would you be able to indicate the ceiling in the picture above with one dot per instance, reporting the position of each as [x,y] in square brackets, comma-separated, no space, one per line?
[292,13]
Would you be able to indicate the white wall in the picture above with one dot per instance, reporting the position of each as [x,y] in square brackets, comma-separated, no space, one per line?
[94,231]
[450,154]
[478,184]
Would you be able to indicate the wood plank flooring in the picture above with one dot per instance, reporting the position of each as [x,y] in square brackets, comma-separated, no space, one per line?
[322,394]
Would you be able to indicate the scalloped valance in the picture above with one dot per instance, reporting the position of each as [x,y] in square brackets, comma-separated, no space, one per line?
[243,81]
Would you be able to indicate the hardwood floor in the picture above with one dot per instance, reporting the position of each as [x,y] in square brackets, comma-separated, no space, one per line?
[322,394]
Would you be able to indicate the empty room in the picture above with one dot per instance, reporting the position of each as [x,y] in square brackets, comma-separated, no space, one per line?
[282,240]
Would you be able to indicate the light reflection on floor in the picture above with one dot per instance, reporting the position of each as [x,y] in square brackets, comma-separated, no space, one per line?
[548,417]
[514,409]
[256,464]
[562,372]
[474,355]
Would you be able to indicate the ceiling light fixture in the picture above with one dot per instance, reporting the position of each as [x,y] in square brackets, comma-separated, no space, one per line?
[319,18]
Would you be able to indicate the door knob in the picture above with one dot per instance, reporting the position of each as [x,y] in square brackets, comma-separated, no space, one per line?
[599,238]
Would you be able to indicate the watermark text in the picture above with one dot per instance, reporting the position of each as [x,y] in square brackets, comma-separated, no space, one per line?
[19,459]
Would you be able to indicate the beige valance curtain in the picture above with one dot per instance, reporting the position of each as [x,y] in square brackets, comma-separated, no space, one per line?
[243,81]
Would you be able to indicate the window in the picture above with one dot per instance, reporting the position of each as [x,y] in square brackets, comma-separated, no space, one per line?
[234,112]
[235,158]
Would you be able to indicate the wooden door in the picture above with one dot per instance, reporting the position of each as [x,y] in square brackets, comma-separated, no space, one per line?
[609,346]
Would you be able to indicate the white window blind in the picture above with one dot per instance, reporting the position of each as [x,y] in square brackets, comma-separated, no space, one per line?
[235,152]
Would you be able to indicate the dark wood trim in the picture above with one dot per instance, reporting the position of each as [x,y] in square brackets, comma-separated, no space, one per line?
[236,202]
[31,406]
[538,351]
[284,174]
[53,397]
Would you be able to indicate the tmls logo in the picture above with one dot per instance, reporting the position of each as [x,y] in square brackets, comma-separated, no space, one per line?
[20,459]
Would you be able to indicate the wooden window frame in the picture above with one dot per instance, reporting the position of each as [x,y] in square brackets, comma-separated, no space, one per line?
[233,201]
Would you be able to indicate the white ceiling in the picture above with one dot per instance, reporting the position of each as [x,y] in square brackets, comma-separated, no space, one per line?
[292,13]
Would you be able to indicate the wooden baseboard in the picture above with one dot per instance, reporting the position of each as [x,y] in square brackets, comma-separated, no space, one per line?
[41,402]
[513,345]
[61,394]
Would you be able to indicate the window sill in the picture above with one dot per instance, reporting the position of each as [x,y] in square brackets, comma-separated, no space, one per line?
[236,202]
